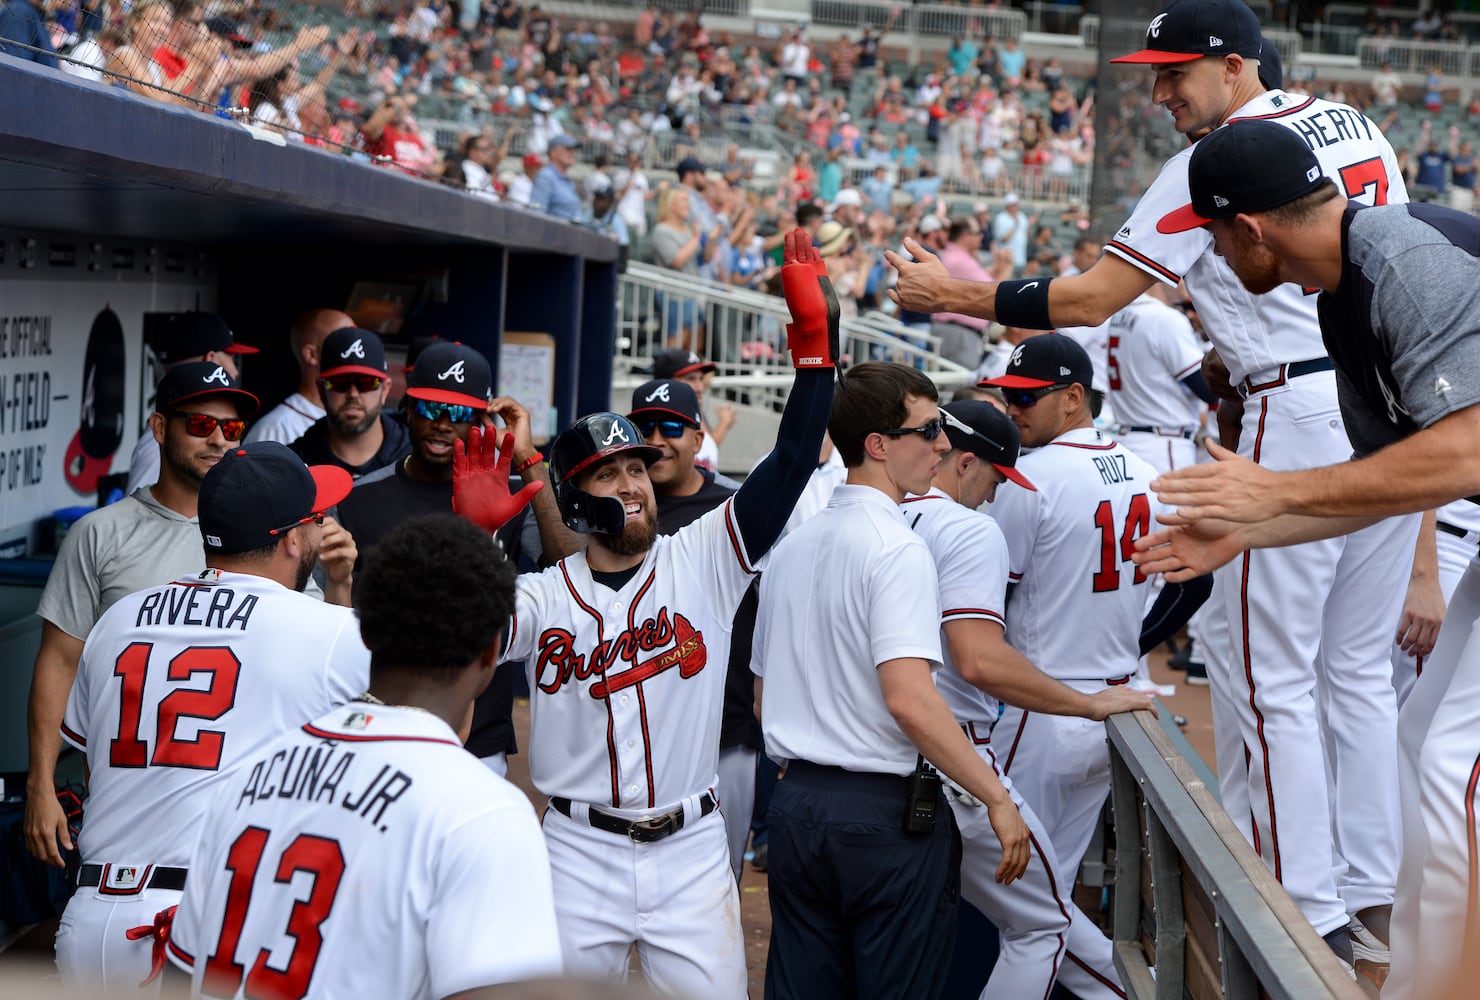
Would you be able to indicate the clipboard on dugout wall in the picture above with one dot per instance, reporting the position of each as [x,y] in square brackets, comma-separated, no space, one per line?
[526,372]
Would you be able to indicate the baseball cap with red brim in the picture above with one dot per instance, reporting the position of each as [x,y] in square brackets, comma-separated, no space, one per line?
[1185,30]
[988,433]
[1045,360]
[449,372]
[258,492]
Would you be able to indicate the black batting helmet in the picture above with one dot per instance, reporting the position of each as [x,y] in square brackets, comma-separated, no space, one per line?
[583,444]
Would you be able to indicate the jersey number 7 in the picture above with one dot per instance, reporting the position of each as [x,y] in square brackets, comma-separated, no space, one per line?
[202,753]
[1137,523]
[317,856]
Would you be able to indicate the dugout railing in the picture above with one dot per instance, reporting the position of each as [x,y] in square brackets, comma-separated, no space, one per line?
[1196,914]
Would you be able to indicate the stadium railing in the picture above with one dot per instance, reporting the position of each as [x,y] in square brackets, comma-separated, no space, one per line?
[1196,912]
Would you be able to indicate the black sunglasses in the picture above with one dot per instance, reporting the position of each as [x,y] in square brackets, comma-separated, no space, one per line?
[669,428]
[929,431]
[203,425]
[1026,399]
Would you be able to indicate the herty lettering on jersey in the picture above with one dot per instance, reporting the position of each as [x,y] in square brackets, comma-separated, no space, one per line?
[558,663]
[1330,126]
[209,607]
[317,773]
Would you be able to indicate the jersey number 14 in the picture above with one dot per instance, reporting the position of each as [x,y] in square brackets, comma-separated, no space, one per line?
[1137,523]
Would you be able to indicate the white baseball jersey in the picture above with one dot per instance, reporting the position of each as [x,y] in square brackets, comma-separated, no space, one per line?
[1096,342]
[1151,349]
[180,683]
[1256,333]
[1078,599]
[971,572]
[626,686]
[366,854]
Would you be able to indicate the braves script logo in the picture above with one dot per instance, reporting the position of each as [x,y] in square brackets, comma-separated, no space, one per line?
[455,373]
[557,663]
[616,433]
[661,392]
[219,375]
[357,349]
[1017,357]
[1155,30]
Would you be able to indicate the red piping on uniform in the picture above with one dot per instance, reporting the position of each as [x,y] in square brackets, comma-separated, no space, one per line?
[1471,927]
[1095,975]
[1053,887]
[1275,114]
[1159,269]
[1087,447]
[735,539]
[1012,750]
[74,737]
[996,615]
[325,734]
[1274,829]
[647,746]
[611,739]
[180,953]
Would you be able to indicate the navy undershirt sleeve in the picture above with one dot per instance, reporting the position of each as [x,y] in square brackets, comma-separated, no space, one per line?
[1176,603]
[1198,386]
[765,500]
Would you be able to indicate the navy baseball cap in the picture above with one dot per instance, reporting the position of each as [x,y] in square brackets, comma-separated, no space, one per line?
[676,361]
[666,399]
[1045,360]
[352,351]
[449,372]
[1271,68]
[196,334]
[199,380]
[988,433]
[257,492]
[1245,166]
[1185,30]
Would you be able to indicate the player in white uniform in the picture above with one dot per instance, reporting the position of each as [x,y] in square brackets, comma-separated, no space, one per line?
[1044,936]
[179,683]
[366,853]
[1308,622]
[626,645]
[1069,545]
[1456,533]
[1156,383]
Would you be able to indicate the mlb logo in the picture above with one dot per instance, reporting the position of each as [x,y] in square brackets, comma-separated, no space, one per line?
[358,720]
[123,880]
[125,876]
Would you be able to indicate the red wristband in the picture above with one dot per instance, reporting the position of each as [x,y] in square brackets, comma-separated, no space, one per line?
[532,460]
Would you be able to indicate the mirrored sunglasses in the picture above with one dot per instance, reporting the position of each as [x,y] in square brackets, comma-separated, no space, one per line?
[363,384]
[432,410]
[929,431]
[668,428]
[203,425]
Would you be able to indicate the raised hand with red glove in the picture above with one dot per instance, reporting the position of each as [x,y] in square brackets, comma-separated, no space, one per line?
[480,482]
[812,333]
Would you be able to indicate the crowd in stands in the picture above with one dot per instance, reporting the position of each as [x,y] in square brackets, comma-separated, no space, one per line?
[570,119]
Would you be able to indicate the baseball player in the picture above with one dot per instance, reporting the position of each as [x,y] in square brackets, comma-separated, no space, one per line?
[1156,384]
[147,538]
[365,853]
[626,645]
[1306,624]
[1400,288]
[1069,544]
[1043,934]
[354,433]
[179,683]
[287,421]
[1447,541]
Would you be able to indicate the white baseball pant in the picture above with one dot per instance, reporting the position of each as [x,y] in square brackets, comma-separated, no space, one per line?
[737,800]
[675,899]
[95,956]
[1455,555]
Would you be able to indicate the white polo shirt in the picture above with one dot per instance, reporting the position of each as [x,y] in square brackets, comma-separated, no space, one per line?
[851,588]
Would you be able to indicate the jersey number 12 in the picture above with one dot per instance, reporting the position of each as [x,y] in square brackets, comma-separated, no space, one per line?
[1137,523]
[202,753]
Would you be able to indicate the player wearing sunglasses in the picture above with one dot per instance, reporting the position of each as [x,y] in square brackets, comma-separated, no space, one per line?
[666,413]
[354,433]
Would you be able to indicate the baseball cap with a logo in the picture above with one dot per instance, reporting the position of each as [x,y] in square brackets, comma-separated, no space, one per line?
[1045,360]
[259,492]
[666,399]
[988,433]
[1185,30]
[196,334]
[352,351]
[1244,167]
[449,372]
[676,361]
[198,380]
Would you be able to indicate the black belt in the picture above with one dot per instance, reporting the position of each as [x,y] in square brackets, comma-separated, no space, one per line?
[159,878]
[1294,369]
[640,831]
[1184,435]
[1451,529]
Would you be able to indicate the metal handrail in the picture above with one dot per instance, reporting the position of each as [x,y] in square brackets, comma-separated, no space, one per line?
[1170,826]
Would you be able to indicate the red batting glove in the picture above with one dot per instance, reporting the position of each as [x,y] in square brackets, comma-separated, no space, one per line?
[812,334]
[480,482]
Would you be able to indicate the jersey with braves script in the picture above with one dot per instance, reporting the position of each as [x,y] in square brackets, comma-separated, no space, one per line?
[626,686]
[1257,333]
[179,683]
[971,572]
[1077,601]
[366,854]
[1152,349]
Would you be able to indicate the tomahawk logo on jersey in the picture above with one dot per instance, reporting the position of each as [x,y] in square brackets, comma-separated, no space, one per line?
[1256,333]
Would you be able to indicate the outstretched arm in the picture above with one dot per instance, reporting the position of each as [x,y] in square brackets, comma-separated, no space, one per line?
[765,501]
[480,482]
